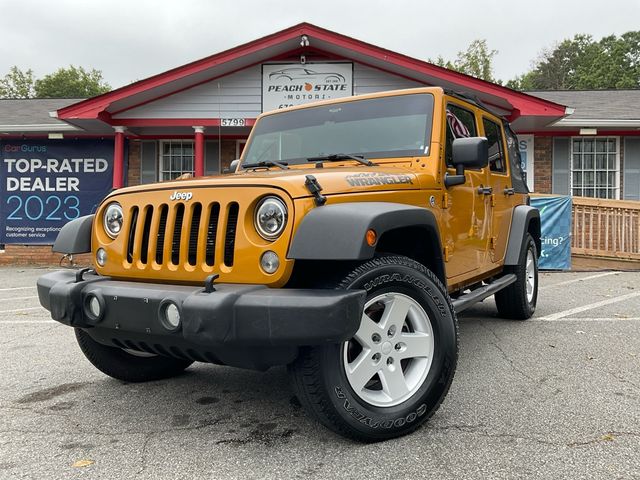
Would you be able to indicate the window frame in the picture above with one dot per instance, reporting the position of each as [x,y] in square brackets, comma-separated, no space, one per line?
[462,106]
[505,160]
[162,156]
[616,171]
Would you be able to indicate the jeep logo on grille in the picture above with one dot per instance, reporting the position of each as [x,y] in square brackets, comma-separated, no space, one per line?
[186,196]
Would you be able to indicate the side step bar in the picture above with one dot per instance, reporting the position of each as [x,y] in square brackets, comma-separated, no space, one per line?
[465,301]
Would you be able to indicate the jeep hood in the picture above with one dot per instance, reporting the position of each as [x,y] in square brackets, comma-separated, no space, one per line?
[333,180]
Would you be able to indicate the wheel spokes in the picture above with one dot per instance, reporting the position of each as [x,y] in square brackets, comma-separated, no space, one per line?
[394,383]
[368,328]
[362,369]
[413,345]
[395,313]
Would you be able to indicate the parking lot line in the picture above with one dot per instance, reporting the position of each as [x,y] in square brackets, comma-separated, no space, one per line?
[590,306]
[585,319]
[22,310]
[11,299]
[576,280]
[22,322]
[15,288]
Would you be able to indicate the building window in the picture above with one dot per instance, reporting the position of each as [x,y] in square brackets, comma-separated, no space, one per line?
[595,167]
[176,158]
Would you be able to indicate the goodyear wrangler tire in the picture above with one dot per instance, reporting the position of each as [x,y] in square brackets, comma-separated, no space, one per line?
[393,375]
[128,366]
[518,300]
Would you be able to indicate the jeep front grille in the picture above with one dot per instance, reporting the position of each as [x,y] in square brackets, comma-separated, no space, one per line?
[181,234]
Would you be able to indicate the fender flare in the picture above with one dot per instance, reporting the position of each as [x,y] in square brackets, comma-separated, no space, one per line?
[525,219]
[75,236]
[337,232]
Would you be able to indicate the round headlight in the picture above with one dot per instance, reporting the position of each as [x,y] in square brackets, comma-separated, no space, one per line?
[113,219]
[271,218]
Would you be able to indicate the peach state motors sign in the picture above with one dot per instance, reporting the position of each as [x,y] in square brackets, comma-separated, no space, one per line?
[289,84]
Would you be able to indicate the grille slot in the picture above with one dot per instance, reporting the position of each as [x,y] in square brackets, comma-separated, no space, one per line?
[212,230]
[230,235]
[132,234]
[177,232]
[146,231]
[162,230]
[194,231]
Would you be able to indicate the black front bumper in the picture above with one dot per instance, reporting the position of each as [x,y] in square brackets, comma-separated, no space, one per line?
[243,325]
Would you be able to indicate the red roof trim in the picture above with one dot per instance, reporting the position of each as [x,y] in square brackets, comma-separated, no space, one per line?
[175,122]
[90,108]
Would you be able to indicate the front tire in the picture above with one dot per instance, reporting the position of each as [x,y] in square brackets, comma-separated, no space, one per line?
[128,366]
[393,375]
[518,300]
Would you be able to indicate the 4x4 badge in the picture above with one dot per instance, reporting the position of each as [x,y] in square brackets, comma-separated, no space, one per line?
[186,196]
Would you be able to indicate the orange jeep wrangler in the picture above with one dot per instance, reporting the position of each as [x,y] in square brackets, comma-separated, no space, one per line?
[348,237]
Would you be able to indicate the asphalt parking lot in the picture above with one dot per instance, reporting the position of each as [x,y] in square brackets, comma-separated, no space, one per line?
[557,396]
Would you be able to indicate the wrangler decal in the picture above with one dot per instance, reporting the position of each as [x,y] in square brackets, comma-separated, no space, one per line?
[374,178]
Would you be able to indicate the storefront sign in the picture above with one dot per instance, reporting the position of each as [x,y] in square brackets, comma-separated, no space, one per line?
[289,84]
[555,221]
[526,154]
[44,184]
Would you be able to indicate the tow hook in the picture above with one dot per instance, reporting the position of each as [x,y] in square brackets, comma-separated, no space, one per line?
[208,283]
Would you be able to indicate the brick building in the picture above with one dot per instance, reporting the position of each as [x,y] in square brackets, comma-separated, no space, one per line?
[196,119]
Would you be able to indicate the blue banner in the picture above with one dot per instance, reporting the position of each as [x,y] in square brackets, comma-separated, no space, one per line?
[555,220]
[46,183]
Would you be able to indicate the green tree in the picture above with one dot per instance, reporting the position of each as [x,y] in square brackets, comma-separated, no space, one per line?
[583,63]
[476,60]
[17,84]
[72,82]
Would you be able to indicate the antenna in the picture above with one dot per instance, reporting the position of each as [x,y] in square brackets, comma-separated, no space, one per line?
[219,131]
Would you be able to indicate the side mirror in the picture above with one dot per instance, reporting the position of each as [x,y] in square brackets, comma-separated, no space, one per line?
[234,165]
[472,152]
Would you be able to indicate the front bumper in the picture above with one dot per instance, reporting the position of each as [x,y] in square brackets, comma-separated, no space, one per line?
[243,325]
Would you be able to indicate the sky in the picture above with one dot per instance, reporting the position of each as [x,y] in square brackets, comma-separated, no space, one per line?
[129,40]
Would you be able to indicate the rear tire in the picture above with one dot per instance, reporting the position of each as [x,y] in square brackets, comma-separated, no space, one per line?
[518,300]
[129,367]
[395,372]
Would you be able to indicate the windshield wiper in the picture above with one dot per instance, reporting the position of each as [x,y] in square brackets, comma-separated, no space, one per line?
[335,157]
[267,163]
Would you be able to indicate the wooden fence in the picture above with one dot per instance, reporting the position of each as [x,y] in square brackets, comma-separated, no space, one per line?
[606,228]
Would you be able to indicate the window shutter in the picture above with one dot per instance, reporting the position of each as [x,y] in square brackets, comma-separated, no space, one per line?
[560,166]
[149,162]
[211,159]
[631,168]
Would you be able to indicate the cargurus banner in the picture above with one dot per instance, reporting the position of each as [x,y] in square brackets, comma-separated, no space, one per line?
[555,220]
[46,183]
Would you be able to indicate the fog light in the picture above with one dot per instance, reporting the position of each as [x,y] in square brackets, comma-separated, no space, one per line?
[171,316]
[94,308]
[101,257]
[269,261]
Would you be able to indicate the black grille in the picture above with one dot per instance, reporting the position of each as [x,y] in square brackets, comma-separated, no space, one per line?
[212,229]
[177,232]
[162,229]
[194,230]
[230,236]
[189,232]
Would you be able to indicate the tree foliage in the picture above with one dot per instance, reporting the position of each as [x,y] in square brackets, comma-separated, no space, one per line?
[476,60]
[17,84]
[72,82]
[581,63]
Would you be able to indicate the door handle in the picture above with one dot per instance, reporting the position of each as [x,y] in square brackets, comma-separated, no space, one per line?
[485,190]
[509,191]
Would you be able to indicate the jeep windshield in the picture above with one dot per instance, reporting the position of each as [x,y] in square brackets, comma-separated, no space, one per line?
[387,127]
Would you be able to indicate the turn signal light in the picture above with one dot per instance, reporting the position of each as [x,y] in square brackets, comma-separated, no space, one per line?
[371,237]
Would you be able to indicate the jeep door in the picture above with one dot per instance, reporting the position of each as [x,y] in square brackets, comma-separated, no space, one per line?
[502,194]
[466,217]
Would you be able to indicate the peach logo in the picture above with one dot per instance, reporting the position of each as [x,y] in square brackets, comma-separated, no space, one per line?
[308,87]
